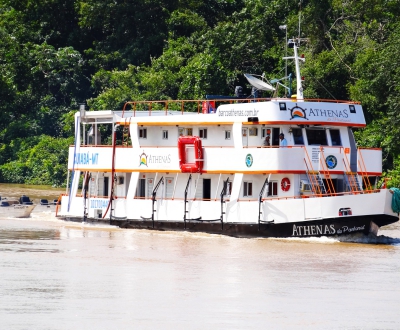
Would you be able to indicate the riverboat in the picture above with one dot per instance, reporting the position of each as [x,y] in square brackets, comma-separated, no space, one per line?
[21,208]
[245,167]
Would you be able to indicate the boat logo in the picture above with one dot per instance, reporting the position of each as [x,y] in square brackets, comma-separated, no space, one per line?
[249,160]
[143,159]
[298,113]
[331,162]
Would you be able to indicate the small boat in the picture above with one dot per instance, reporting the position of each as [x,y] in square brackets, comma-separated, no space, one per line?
[240,166]
[13,208]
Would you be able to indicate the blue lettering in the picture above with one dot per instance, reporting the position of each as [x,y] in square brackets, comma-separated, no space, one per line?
[86,159]
[98,203]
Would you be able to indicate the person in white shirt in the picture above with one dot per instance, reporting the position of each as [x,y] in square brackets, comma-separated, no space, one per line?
[283,142]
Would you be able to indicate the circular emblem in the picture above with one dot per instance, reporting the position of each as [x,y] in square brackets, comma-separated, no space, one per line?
[285,184]
[249,160]
[331,161]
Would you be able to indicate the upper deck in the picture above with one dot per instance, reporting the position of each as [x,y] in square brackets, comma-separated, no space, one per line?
[261,111]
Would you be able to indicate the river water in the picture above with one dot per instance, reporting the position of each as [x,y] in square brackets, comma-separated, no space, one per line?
[61,275]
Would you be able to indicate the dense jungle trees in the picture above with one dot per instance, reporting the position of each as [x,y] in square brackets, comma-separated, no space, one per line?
[55,54]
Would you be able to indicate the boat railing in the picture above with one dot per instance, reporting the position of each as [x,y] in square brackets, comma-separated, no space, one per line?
[255,199]
[363,170]
[203,106]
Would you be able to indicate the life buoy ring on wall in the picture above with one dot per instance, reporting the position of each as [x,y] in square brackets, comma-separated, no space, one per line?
[285,184]
[186,167]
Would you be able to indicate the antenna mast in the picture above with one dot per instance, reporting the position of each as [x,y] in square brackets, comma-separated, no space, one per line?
[300,21]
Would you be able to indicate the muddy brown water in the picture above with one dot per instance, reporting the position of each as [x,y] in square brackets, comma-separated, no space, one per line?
[61,275]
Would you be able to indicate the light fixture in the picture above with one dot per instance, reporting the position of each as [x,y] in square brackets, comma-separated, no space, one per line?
[290,130]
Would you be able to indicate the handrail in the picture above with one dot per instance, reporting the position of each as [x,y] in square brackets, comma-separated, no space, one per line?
[185,201]
[166,103]
[350,175]
[59,202]
[260,202]
[327,175]
[223,192]
[363,169]
[311,175]
[153,198]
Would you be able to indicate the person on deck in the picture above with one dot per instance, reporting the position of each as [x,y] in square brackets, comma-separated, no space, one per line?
[283,142]
[267,141]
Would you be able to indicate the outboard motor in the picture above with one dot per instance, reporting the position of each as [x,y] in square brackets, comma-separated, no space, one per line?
[25,200]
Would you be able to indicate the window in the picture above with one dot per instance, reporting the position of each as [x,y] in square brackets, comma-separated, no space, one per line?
[273,188]
[150,187]
[297,136]
[142,133]
[203,133]
[165,135]
[253,131]
[141,188]
[185,131]
[169,187]
[247,189]
[316,137]
[335,137]
[265,132]
[227,135]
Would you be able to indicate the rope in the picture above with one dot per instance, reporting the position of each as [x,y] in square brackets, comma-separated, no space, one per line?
[395,199]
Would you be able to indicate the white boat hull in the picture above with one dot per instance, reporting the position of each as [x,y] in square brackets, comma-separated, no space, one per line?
[16,211]
[302,217]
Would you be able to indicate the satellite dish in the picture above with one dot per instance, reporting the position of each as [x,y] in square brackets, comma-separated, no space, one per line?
[258,83]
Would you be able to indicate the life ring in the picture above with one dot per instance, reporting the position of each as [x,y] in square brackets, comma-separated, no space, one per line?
[285,184]
[184,165]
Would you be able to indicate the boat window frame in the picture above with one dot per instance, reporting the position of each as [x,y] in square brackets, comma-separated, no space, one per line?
[253,131]
[203,133]
[339,135]
[247,185]
[165,134]
[227,134]
[184,131]
[142,133]
[296,129]
[272,186]
[314,129]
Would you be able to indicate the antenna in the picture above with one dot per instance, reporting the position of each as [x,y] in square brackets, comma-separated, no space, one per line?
[258,83]
[300,20]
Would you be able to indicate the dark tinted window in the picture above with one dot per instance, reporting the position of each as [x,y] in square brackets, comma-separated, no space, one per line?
[316,137]
[297,136]
[335,137]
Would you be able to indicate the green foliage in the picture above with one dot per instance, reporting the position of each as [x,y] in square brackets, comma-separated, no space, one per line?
[40,161]
[55,54]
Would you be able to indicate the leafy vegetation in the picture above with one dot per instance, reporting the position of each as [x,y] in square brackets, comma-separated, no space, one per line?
[55,54]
